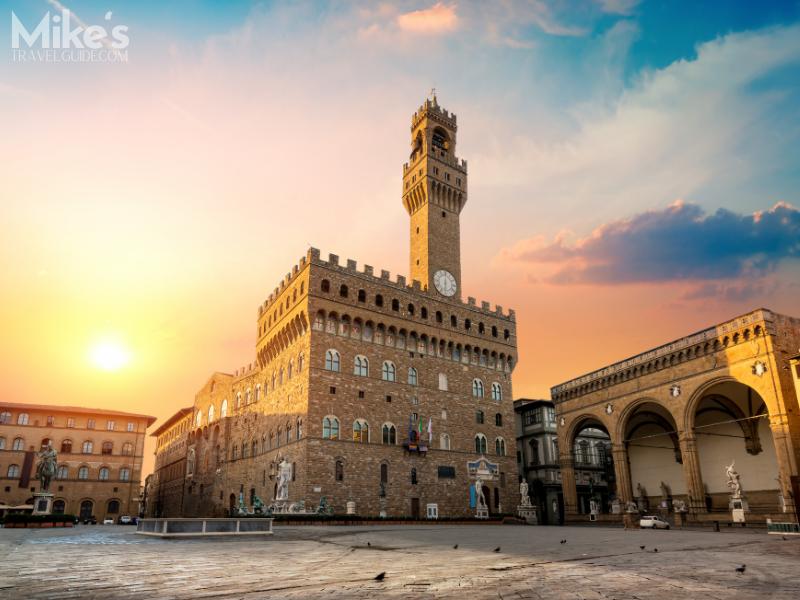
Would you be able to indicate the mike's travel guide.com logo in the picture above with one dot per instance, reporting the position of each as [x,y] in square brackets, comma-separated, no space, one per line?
[63,37]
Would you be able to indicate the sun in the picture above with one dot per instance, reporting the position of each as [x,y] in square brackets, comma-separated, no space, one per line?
[109,355]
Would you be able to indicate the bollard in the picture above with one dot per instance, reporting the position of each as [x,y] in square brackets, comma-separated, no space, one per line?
[716,526]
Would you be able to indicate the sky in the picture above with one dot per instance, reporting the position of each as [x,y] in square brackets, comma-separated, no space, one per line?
[633,176]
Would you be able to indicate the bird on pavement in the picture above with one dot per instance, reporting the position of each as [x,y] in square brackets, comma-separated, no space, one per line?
[641,547]
[380,576]
[368,544]
[496,549]
[655,549]
[741,569]
[455,547]
[563,541]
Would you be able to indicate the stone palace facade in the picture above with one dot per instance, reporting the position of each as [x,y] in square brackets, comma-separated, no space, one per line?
[390,393]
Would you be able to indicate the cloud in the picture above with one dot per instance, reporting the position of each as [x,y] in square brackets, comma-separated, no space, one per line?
[618,7]
[439,18]
[681,242]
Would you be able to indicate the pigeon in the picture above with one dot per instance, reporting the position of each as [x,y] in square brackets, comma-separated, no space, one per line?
[380,576]
[784,537]
[641,547]
[563,541]
[655,549]
[741,569]
[496,549]
[368,544]
[455,547]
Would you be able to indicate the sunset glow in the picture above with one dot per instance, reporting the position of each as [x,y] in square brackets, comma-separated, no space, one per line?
[109,355]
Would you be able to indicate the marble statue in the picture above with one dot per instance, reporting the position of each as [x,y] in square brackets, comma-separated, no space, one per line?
[46,467]
[480,499]
[631,507]
[733,481]
[523,493]
[679,506]
[284,476]
[664,490]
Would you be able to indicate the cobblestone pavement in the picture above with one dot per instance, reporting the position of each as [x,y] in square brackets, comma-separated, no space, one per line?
[420,562]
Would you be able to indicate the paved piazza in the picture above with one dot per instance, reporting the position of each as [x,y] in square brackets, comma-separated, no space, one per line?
[419,561]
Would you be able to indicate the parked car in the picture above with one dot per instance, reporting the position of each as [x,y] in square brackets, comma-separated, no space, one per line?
[126,520]
[653,522]
[88,520]
[108,521]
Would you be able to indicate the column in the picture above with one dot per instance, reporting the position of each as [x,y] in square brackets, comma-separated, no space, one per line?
[568,490]
[786,461]
[622,470]
[691,471]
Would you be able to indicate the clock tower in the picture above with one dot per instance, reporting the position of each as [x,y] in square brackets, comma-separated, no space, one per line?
[434,192]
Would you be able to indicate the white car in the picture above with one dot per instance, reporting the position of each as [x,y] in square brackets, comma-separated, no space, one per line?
[108,521]
[653,522]
[125,520]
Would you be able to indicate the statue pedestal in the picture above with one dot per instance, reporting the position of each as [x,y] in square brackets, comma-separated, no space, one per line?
[528,513]
[738,507]
[42,503]
[481,513]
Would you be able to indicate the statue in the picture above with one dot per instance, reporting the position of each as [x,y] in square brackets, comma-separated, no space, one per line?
[679,506]
[46,467]
[284,476]
[631,507]
[664,490]
[523,493]
[324,508]
[733,481]
[639,490]
[480,499]
[258,505]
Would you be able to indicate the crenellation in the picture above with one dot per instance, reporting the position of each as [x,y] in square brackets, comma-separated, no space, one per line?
[485,305]
[333,259]
[368,270]
[470,301]
[401,280]
[386,275]
[351,264]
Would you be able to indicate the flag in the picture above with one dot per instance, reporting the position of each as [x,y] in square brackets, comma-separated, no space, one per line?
[420,427]
[430,429]
[410,429]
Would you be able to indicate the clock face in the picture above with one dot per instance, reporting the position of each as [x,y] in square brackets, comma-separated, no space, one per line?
[445,282]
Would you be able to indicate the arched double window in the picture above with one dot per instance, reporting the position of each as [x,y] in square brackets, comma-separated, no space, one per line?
[332,361]
[480,444]
[299,428]
[497,391]
[13,471]
[66,447]
[361,366]
[477,388]
[360,431]
[124,474]
[500,446]
[103,474]
[389,371]
[22,419]
[330,428]
[389,434]
[87,447]
[62,472]
[83,473]
[127,449]
[19,444]
[5,417]
[412,376]
[444,441]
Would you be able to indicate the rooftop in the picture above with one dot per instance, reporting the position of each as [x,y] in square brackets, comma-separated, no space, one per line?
[76,409]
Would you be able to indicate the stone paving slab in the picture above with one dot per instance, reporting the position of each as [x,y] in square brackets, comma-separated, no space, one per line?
[596,563]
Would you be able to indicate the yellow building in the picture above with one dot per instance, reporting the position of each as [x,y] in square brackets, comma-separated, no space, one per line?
[99,457]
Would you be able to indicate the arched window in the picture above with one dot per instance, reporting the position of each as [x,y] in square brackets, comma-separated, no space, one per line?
[5,417]
[59,506]
[245,450]
[124,474]
[254,448]
[235,451]
[339,471]
[498,420]
[301,362]
[389,371]
[190,461]
[360,431]
[332,360]
[299,428]
[66,447]
[83,473]
[113,507]
[480,443]
[22,419]
[411,309]
[103,474]
[384,473]
[378,300]
[413,476]
[87,447]
[395,304]
[497,391]
[288,433]
[412,376]
[389,434]
[108,448]
[477,388]
[330,428]
[224,410]
[343,291]
[500,446]
[62,472]
[361,366]
[444,442]
[13,471]
[442,382]
[362,296]
[325,286]
[19,444]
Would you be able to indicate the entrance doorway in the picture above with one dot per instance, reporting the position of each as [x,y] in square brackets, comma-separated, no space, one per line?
[86,509]
[415,508]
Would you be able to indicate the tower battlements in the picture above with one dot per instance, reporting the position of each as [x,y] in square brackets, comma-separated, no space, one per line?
[431,109]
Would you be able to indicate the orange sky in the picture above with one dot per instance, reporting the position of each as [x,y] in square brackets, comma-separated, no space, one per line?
[159,202]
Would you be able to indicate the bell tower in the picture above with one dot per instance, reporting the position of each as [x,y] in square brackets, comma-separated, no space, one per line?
[434,193]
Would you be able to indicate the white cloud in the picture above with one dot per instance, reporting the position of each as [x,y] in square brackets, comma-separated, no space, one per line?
[439,18]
